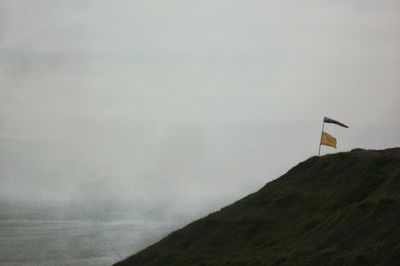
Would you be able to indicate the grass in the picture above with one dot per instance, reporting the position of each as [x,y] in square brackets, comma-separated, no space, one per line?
[340,209]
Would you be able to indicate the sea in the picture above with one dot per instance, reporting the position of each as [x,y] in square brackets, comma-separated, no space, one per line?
[81,234]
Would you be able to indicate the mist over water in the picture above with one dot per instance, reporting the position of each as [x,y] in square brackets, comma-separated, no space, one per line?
[62,234]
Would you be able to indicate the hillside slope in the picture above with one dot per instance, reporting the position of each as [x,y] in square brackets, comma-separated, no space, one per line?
[340,209]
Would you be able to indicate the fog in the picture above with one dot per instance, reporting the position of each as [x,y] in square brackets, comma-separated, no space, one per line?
[187,103]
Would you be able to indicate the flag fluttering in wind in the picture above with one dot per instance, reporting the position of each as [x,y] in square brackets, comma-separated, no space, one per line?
[326,138]
[332,121]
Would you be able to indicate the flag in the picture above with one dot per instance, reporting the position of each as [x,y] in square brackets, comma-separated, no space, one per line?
[328,140]
[332,121]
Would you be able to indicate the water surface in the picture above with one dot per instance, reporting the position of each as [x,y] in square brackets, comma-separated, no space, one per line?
[36,234]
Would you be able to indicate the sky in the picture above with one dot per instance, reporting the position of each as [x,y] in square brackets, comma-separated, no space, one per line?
[187,101]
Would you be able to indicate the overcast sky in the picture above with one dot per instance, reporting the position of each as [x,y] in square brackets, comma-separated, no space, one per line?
[187,100]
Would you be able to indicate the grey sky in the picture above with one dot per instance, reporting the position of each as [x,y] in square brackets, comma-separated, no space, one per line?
[196,100]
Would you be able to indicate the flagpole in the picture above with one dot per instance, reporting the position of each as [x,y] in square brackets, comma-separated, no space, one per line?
[322,132]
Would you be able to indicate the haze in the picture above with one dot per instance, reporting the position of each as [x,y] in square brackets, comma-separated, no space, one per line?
[187,101]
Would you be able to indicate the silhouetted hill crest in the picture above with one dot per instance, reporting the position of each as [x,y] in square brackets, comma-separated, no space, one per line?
[337,209]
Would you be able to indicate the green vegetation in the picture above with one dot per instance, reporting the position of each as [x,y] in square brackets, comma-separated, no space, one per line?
[340,209]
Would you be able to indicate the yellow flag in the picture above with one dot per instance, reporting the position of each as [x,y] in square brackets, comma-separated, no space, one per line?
[328,140]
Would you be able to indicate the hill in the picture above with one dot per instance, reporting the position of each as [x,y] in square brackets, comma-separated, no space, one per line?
[339,209]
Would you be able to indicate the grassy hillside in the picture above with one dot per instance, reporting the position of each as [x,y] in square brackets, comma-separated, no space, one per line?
[340,209]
